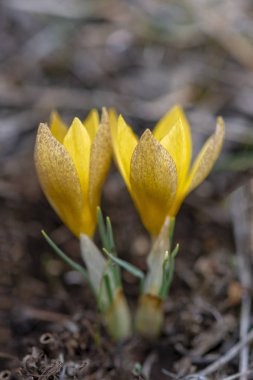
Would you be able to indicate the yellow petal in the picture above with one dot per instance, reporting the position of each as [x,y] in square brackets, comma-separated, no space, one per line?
[124,142]
[113,116]
[57,126]
[77,143]
[153,181]
[177,141]
[113,120]
[206,157]
[58,178]
[101,153]
[91,123]
[168,121]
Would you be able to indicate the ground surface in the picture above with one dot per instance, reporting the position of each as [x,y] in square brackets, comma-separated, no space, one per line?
[142,58]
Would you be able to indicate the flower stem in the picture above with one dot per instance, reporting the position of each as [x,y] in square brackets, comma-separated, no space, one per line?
[149,316]
[118,318]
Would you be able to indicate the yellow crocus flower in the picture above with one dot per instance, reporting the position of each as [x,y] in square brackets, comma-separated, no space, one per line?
[156,168]
[72,164]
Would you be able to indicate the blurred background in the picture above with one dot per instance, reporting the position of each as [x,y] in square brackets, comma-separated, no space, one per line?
[141,57]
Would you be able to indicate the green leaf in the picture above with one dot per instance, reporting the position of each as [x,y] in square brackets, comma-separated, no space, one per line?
[155,259]
[102,228]
[111,247]
[125,265]
[109,291]
[107,288]
[106,234]
[168,272]
[175,251]
[172,266]
[66,258]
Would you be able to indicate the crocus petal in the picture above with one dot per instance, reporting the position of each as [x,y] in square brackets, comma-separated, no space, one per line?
[58,178]
[77,143]
[57,126]
[206,157]
[101,153]
[153,179]
[124,142]
[177,141]
[113,116]
[91,123]
[167,122]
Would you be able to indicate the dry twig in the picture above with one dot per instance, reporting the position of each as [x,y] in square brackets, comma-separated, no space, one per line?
[228,356]
[239,210]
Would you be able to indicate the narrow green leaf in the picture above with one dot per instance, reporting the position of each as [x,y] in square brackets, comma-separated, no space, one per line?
[172,266]
[100,303]
[111,247]
[175,251]
[108,288]
[67,259]
[102,227]
[106,234]
[125,265]
[168,272]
